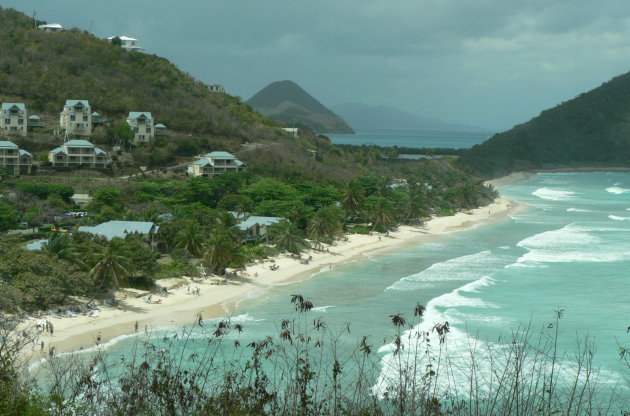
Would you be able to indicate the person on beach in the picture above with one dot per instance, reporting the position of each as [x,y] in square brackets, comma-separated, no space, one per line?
[52,329]
[199,319]
[135,326]
[98,338]
[146,329]
[42,344]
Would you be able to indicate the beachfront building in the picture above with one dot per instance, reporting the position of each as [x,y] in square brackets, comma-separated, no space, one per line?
[78,154]
[216,163]
[142,125]
[126,42]
[51,27]
[76,118]
[293,131]
[255,227]
[14,160]
[121,229]
[13,118]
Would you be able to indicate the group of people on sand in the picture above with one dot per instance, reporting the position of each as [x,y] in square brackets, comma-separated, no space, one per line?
[45,326]
[150,300]
[195,291]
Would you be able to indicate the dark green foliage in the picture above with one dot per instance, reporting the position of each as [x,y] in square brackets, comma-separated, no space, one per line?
[43,190]
[8,217]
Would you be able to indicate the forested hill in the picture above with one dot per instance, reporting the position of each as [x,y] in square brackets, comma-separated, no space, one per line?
[591,130]
[287,102]
[44,69]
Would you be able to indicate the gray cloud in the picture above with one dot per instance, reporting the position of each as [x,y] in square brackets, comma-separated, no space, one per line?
[493,63]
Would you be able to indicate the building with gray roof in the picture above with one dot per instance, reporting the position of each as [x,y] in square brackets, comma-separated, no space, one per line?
[76,118]
[15,160]
[216,163]
[79,154]
[13,118]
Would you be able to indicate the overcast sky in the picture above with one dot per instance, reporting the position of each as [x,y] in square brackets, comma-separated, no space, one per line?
[489,63]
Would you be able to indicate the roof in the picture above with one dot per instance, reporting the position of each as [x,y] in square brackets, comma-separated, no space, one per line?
[5,144]
[99,151]
[202,162]
[59,150]
[78,143]
[160,125]
[123,37]
[121,229]
[6,106]
[95,113]
[220,155]
[34,117]
[253,220]
[72,103]
[24,153]
[36,245]
[136,114]
[51,26]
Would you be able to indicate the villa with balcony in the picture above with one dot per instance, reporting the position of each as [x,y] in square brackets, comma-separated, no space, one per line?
[142,125]
[216,163]
[78,154]
[13,119]
[76,118]
[15,160]
[128,43]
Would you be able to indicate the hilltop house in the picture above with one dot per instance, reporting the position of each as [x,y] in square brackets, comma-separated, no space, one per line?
[142,125]
[256,227]
[215,87]
[15,160]
[130,44]
[78,153]
[293,131]
[121,229]
[216,163]
[76,118]
[13,118]
[51,27]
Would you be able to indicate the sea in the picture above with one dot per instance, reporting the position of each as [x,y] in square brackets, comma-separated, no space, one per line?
[555,273]
[412,138]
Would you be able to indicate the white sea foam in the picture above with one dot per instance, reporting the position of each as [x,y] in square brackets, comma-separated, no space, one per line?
[322,308]
[578,210]
[616,218]
[553,194]
[617,190]
[470,267]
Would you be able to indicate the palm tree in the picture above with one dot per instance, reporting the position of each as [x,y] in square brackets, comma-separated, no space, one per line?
[352,198]
[111,264]
[222,251]
[228,223]
[287,237]
[58,245]
[190,238]
[325,223]
[382,213]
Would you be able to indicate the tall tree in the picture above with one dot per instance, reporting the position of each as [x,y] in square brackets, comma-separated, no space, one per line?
[352,198]
[191,238]
[222,251]
[325,223]
[111,264]
[286,236]
[382,213]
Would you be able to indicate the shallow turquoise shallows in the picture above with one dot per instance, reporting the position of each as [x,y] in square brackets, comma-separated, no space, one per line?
[569,251]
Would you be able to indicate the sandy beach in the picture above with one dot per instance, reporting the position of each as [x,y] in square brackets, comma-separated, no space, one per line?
[181,306]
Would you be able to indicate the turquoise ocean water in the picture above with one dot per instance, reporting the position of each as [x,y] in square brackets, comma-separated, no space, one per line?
[412,138]
[569,250]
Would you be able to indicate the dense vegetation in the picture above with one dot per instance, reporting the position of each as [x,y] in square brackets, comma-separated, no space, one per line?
[591,130]
[287,102]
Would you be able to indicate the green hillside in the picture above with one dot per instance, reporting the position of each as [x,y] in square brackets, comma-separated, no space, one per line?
[44,69]
[591,130]
[288,103]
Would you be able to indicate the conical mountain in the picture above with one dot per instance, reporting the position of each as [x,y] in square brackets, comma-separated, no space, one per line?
[591,130]
[288,103]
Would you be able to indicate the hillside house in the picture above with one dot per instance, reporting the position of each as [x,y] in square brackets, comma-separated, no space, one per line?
[215,87]
[13,118]
[128,43]
[255,227]
[142,125]
[76,118]
[121,229]
[160,129]
[81,198]
[78,154]
[51,27]
[15,160]
[35,121]
[216,163]
[97,119]
[293,131]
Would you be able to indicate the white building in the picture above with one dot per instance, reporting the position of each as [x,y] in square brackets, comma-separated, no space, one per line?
[130,44]
[51,27]
[142,125]
[293,131]
[14,159]
[78,153]
[76,118]
[13,119]
[216,88]
[216,163]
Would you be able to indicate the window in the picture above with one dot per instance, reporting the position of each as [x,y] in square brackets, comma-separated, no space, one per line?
[72,118]
[21,121]
[7,121]
[148,129]
[85,118]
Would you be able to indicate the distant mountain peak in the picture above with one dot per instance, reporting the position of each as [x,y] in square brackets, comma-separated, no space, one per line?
[287,102]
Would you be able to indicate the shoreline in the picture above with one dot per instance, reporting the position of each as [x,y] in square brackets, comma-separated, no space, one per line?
[215,301]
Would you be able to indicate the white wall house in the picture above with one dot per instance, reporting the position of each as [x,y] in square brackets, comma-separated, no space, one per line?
[293,131]
[216,87]
[126,42]
[13,119]
[216,163]
[78,153]
[142,125]
[14,159]
[51,27]
[76,118]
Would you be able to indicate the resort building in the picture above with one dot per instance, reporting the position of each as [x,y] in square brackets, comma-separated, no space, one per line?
[216,163]
[160,129]
[76,118]
[293,131]
[13,119]
[130,44]
[142,125]
[15,160]
[35,121]
[121,229]
[78,154]
[51,27]
[256,227]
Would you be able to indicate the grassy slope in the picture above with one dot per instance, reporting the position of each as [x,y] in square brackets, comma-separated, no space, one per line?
[591,130]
